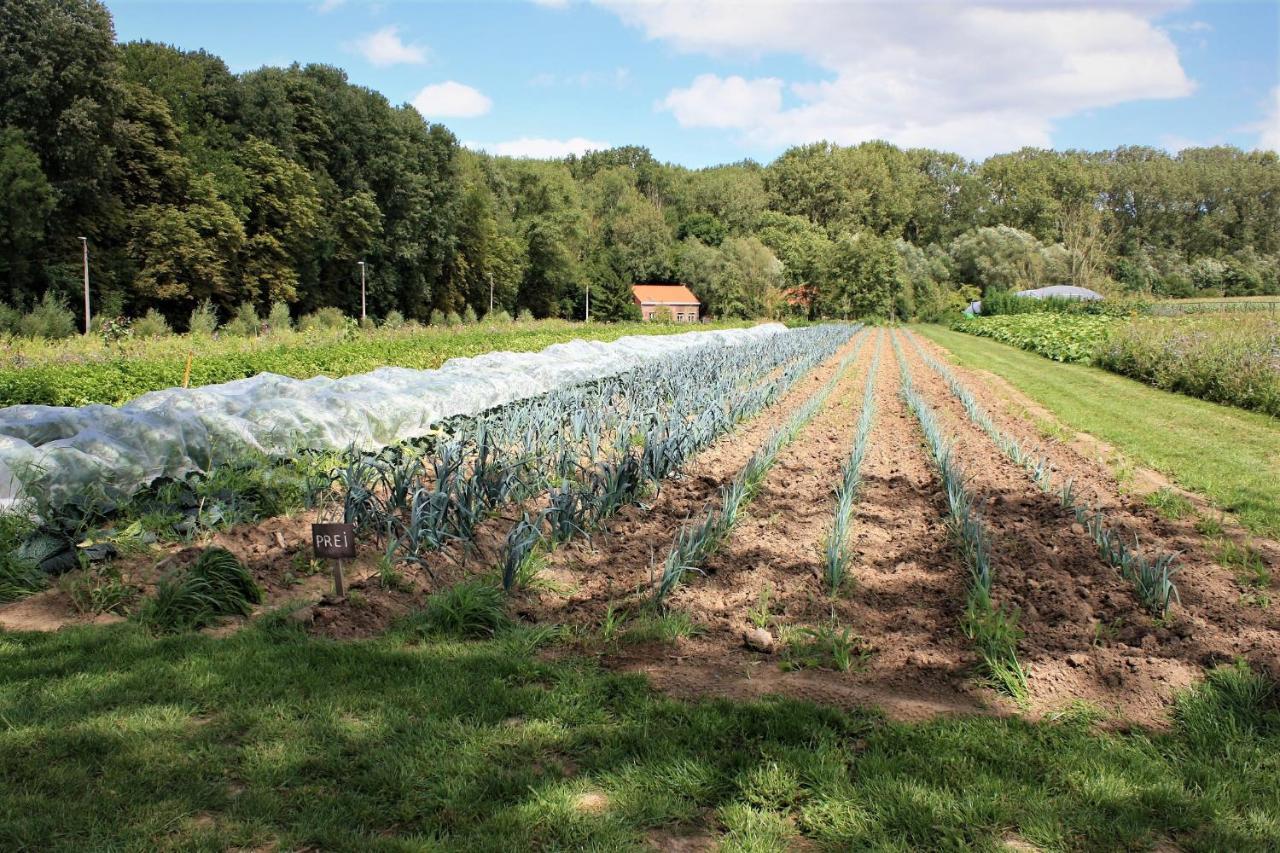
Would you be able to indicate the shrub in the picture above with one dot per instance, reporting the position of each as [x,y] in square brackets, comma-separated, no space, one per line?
[469,317]
[110,305]
[497,316]
[325,319]
[215,585]
[393,320]
[113,329]
[525,316]
[10,317]
[203,320]
[151,325]
[436,318]
[245,323]
[279,320]
[50,318]
[452,319]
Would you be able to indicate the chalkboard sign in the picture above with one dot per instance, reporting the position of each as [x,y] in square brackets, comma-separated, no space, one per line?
[334,541]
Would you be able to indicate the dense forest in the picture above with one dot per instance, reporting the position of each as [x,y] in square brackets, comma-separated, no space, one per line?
[194,184]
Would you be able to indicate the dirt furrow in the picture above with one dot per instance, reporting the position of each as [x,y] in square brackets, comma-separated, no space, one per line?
[1086,635]
[616,562]
[1202,581]
[908,584]
[903,597]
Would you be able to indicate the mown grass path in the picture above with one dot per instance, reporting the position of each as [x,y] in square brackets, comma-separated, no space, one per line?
[1230,456]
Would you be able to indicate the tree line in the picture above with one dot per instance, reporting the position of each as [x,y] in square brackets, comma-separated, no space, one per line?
[194,185]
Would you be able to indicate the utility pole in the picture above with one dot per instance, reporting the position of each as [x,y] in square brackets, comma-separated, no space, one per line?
[490,294]
[588,320]
[361,290]
[84,241]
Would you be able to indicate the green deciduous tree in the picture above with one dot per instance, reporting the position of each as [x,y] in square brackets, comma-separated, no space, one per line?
[870,278]
[26,202]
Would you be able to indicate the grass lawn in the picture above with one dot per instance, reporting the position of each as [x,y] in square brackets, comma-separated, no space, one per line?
[1229,455]
[112,740]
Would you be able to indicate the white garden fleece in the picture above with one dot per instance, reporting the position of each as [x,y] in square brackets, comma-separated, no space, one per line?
[56,452]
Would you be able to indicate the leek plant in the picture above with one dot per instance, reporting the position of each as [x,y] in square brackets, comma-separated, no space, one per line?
[589,448]
[695,543]
[1152,577]
[992,629]
[846,491]
[518,552]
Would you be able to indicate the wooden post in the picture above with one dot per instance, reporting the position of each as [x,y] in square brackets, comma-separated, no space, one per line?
[339,590]
[186,374]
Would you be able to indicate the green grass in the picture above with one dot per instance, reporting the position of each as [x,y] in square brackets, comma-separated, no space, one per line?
[1170,504]
[111,739]
[1230,456]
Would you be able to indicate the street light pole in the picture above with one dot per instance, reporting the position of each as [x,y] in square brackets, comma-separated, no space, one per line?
[361,290]
[588,318]
[490,294]
[84,241]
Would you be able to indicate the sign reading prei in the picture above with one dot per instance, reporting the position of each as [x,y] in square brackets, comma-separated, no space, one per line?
[334,541]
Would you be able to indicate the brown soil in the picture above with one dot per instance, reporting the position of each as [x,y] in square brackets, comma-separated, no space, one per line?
[619,562]
[49,610]
[904,592]
[1086,636]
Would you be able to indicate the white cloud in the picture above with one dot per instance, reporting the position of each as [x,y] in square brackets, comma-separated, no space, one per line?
[966,77]
[552,4]
[451,100]
[386,48]
[729,102]
[324,7]
[541,149]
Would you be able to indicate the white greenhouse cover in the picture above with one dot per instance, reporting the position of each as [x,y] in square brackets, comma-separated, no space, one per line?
[63,451]
[1061,291]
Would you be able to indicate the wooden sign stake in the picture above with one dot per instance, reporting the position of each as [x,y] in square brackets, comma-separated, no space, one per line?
[338,589]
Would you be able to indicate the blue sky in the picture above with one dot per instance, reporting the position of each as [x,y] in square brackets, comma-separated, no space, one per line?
[720,81]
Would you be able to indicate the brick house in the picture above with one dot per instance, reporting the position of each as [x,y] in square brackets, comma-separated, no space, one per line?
[676,298]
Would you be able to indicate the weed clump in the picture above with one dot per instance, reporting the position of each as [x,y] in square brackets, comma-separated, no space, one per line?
[216,585]
[471,610]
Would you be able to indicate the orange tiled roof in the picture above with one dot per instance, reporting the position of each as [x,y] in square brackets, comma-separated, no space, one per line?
[665,294]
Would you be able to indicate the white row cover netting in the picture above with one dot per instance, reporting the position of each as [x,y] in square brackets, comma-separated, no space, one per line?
[57,452]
